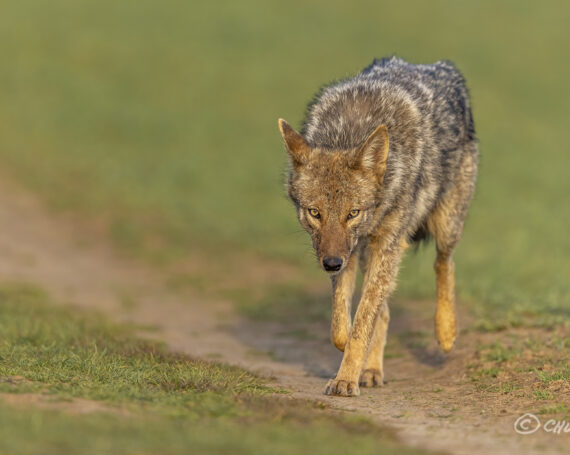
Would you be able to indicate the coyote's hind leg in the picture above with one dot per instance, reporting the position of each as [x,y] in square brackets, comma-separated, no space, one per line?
[446,225]
[445,316]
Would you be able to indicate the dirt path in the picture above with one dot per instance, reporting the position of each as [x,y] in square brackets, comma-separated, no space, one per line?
[428,398]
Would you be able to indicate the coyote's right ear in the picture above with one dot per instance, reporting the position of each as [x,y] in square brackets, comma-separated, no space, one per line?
[373,154]
[296,144]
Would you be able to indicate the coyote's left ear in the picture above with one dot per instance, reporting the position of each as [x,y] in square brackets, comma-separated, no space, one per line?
[373,154]
[296,144]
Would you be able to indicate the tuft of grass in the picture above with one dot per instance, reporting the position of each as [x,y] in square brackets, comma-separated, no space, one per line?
[492,372]
[541,394]
[562,374]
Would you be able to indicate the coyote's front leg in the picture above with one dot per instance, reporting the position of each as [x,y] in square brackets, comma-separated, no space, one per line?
[373,372]
[343,289]
[378,282]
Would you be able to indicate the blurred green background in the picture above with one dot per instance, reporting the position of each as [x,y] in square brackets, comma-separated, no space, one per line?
[160,119]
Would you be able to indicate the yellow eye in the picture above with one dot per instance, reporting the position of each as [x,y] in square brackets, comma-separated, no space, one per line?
[353,214]
[314,213]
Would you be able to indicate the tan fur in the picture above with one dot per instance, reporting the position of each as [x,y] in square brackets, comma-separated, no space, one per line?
[374,153]
[343,288]
[373,372]
[445,318]
[378,282]
[384,160]
[296,145]
[380,251]
[446,224]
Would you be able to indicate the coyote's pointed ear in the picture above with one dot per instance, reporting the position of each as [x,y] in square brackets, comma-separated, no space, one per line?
[296,144]
[373,154]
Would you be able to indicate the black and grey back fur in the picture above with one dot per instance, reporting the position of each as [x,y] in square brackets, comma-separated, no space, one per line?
[427,111]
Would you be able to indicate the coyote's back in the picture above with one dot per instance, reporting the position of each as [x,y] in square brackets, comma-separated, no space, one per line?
[343,114]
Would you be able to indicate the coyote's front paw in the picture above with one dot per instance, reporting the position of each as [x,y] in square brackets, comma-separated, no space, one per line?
[342,388]
[371,378]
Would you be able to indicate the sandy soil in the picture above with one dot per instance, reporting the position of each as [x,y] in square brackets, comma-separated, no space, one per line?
[428,397]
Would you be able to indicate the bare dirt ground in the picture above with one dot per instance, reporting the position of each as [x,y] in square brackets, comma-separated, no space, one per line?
[428,398]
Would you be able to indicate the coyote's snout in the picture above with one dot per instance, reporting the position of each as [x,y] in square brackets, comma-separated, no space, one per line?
[332,264]
[384,159]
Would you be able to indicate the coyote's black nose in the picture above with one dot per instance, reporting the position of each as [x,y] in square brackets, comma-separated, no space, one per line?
[332,264]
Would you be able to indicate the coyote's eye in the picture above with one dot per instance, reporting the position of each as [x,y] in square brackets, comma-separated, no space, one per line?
[314,213]
[353,214]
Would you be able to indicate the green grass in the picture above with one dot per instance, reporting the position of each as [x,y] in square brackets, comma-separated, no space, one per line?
[540,394]
[173,404]
[75,355]
[562,374]
[49,432]
[160,118]
[558,409]
[536,370]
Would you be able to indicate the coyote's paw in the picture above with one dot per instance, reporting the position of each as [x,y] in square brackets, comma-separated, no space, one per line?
[445,326]
[446,344]
[371,378]
[342,388]
[446,333]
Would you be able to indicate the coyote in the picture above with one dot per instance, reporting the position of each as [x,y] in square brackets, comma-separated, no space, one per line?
[384,159]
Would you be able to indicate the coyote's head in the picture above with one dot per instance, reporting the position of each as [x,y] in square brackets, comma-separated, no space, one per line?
[335,192]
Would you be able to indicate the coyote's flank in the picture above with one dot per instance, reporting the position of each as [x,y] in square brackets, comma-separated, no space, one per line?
[384,159]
